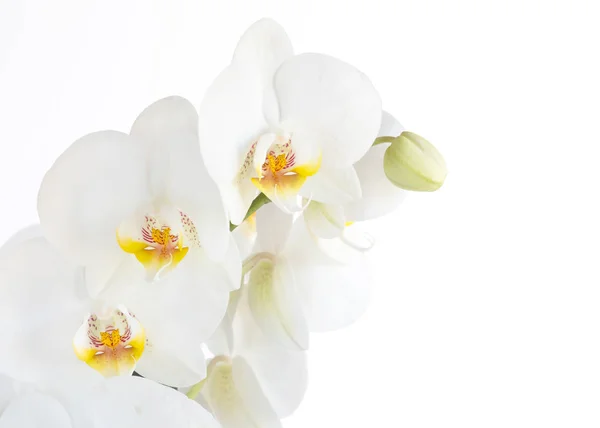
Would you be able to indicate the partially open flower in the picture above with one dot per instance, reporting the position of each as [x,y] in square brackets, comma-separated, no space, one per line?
[295,287]
[251,381]
[413,163]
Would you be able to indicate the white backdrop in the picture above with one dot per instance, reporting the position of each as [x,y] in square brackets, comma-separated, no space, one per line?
[485,309]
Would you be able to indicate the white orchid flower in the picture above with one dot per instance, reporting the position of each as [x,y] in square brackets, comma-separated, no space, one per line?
[286,125]
[378,197]
[140,205]
[130,402]
[251,381]
[295,287]
[51,322]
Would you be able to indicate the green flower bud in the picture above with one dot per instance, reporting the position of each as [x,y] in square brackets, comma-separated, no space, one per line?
[413,163]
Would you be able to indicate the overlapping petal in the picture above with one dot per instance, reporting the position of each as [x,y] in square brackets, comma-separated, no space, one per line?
[379,195]
[256,382]
[333,294]
[334,98]
[158,406]
[33,411]
[168,129]
[179,313]
[42,304]
[95,184]
[275,305]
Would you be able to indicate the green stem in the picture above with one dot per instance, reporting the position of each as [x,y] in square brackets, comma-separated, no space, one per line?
[381,140]
[258,202]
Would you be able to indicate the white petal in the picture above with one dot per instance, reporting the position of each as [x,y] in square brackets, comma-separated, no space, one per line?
[234,111]
[41,308]
[179,313]
[245,236]
[221,342]
[169,128]
[390,127]
[87,404]
[264,45]
[275,305]
[93,186]
[35,410]
[282,374]
[333,294]
[159,406]
[333,186]
[33,231]
[235,397]
[379,195]
[252,395]
[231,119]
[159,129]
[333,97]
[7,391]
[325,220]
[232,265]
[273,227]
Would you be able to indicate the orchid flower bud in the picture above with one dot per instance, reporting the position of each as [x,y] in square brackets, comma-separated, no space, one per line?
[413,163]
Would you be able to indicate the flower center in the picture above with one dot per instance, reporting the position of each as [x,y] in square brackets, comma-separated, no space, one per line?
[279,160]
[111,344]
[110,339]
[275,163]
[157,245]
[276,168]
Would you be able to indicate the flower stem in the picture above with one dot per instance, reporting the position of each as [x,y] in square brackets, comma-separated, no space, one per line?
[258,202]
[381,140]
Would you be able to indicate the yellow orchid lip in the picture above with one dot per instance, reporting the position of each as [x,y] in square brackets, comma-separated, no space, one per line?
[112,344]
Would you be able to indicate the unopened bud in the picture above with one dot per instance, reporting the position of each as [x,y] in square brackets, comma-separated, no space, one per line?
[413,163]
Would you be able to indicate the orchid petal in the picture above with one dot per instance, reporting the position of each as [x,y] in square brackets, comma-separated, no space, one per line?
[158,406]
[41,307]
[334,98]
[390,127]
[325,220]
[35,410]
[90,189]
[274,304]
[333,186]
[333,294]
[234,98]
[281,372]
[273,227]
[235,397]
[179,313]
[379,195]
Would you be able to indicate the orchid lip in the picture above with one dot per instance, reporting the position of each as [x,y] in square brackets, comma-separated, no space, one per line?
[110,343]
[159,244]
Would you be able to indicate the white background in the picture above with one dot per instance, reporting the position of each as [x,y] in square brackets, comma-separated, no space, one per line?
[485,308]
